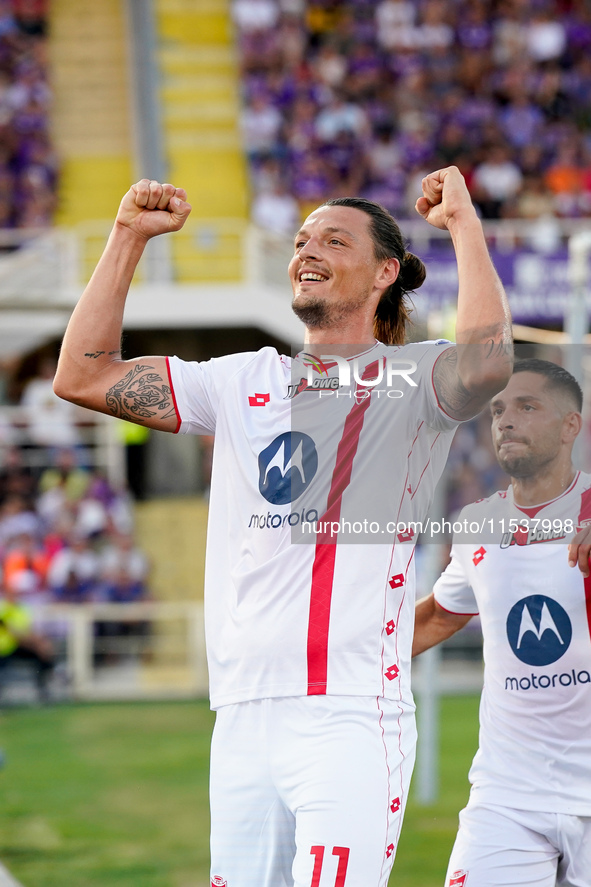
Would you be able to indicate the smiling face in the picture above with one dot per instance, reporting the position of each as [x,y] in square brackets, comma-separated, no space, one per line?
[334,272]
[530,425]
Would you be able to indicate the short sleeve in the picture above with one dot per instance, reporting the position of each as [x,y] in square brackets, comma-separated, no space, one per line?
[426,355]
[452,590]
[198,386]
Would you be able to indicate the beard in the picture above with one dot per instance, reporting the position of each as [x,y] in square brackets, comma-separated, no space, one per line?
[314,314]
[524,465]
[317,314]
[518,466]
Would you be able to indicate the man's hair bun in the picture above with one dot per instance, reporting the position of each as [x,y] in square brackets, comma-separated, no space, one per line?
[412,272]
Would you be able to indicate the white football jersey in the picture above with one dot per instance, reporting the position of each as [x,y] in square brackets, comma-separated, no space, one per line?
[535,714]
[304,458]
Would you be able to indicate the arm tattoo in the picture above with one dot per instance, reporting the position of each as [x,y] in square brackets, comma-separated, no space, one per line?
[452,394]
[503,348]
[140,395]
[95,354]
[494,344]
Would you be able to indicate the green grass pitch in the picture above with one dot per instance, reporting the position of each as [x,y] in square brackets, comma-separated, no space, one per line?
[115,795]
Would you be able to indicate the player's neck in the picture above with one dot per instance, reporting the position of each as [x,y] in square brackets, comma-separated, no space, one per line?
[542,487]
[350,334]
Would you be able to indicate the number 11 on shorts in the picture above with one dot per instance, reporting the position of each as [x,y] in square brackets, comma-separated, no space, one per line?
[343,854]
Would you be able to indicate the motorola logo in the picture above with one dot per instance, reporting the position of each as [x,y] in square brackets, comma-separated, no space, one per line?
[539,630]
[286,467]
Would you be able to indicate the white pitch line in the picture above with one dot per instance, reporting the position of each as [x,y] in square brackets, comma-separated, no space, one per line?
[6,879]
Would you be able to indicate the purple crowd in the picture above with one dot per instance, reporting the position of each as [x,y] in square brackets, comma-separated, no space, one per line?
[363,97]
[28,165]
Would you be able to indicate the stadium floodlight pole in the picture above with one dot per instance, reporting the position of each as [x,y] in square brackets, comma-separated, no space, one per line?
[577,318]
[147,119]
[577,315]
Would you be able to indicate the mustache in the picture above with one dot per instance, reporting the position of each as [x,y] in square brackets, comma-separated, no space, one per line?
[313,267]
[506,438]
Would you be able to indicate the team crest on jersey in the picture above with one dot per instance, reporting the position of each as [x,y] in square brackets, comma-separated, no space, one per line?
[286,467]
[539,630]
[459,878]
[218,881]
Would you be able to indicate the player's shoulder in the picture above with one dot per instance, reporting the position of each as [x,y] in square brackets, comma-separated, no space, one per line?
[423,355]
[433,347]
[233,365]
[265,357]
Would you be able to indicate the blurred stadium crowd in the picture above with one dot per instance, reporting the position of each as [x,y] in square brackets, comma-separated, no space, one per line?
[28,164]
[364,97]
[66,535]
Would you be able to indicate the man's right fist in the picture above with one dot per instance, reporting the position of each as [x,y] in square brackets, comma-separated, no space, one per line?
[150,208]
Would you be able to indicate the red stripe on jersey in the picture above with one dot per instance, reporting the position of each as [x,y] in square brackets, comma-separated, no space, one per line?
[585,515]
[326,550]
[587,586]
[176,409]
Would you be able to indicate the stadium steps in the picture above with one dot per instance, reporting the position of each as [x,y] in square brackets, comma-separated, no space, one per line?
[200,109]
[91,113]
[174,530]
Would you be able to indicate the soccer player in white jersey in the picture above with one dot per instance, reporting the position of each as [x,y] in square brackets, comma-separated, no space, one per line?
[309,644]
[528,819]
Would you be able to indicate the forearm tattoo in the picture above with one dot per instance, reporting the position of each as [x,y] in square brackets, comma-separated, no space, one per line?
[140,395]
[95,354]
[500,346]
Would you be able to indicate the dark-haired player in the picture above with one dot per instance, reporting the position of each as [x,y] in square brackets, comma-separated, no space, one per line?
[309,644]
[528,819]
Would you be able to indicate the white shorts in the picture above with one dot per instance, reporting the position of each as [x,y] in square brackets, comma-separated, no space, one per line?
[503,847]
[309,791]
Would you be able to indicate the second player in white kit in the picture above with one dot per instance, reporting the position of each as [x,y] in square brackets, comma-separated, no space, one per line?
[528,820]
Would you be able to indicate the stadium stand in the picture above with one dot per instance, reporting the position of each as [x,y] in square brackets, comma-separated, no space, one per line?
[28,166]
[66,538]
[199,98]
[91,119]
[363,97]
[200,101]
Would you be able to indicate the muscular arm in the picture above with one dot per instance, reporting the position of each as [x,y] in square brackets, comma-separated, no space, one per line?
[90,371]
[433,624]
[467,376]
